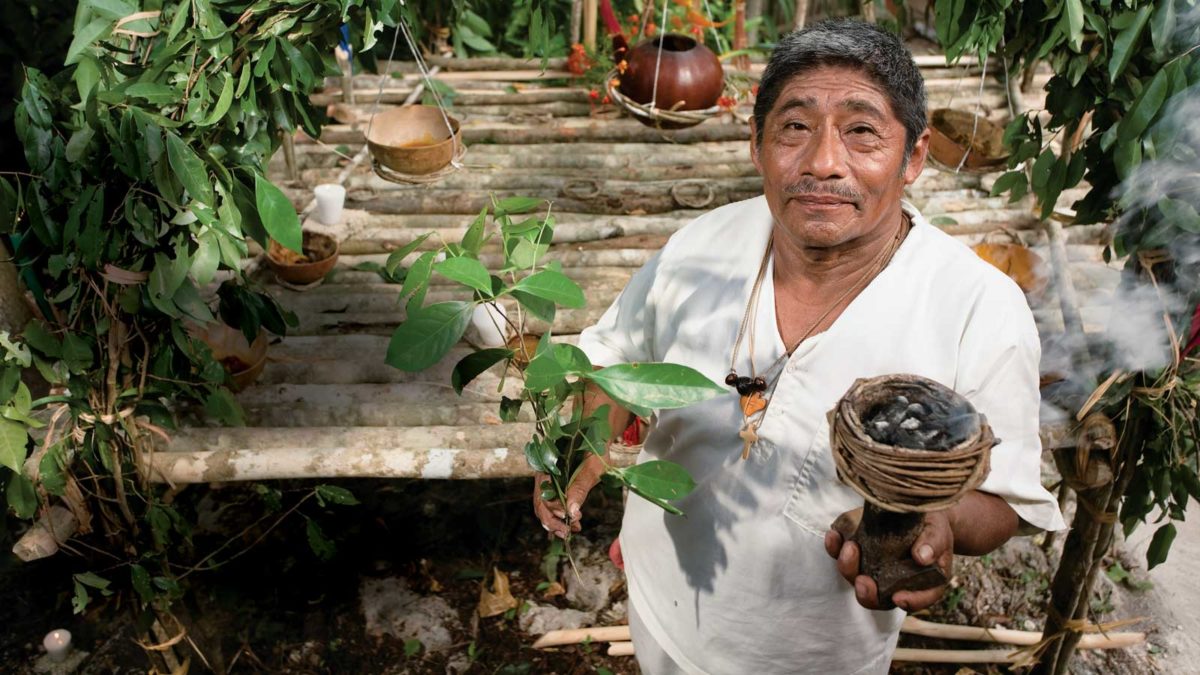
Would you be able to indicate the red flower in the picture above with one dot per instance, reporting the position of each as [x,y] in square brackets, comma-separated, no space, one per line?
[578,62]
[727,102]
[754,90]
[606,100]
[593,94]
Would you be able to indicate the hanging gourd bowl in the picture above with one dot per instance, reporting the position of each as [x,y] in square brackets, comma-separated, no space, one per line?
[244,361]
[689,78]
[413,140]
[954,133]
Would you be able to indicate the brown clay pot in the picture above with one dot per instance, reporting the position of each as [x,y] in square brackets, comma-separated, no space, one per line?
[412,140]
[320,255]
[689,78]
[950,137]
[243,361]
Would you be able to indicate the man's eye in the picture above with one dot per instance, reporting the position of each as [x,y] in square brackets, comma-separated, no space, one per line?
[862,130]
[795,126]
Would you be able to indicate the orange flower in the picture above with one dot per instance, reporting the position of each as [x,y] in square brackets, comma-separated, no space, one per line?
[727,102]
[754,90]
[606,100]
[615,82]
[676,22]
[651,29]
[622,66]
[593,94]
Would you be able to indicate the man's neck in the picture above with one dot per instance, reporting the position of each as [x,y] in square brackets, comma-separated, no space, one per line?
[829,269]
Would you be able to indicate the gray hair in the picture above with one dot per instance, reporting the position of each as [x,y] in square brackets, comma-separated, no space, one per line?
[847,42]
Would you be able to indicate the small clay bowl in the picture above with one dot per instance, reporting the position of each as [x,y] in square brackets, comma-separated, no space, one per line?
[950,133]
[413,140]
[307,271]
[243,361]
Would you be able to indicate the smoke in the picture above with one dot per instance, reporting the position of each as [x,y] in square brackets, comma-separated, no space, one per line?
[1150,313]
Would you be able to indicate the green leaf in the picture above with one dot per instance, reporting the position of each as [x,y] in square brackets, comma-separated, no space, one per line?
[1145,108]
[417,279]
[1123,46]
[517,205]
[97,29]
[553,286]
[1160,545]
[321,546]
[42,340]
[336,495]
[467,271]
[472,365]
[13,439]
[542,456]
[139,578]
[395,258]
[221,405]
[277,214]
[78,143]
[428,335]
[539,307]
[659,480]
[189,169]
[412,647]
[1181,214]
[79,601]
[511,407]
[222,105]
[77,352]
[655,386]
[94,580]
[1074,22]
[21,495]
[472,241]
[207,258]
[550,366]
[1162,26]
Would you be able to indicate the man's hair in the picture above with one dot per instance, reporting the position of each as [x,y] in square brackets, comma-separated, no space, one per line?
[848,42]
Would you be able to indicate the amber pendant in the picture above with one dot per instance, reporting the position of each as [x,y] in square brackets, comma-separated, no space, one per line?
[753,403]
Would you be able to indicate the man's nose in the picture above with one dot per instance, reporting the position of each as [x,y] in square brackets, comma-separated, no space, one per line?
[827,155]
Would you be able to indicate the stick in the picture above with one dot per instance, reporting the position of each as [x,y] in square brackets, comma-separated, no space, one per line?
[957,655]
[1024,638]
[557,638]
[620,649]
[591,10]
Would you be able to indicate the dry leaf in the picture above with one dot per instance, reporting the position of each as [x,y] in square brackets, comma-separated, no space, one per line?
[1020,264]
[498,600]
[554,590]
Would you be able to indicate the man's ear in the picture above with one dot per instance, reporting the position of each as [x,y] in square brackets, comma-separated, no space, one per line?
[754,145]
[916,162]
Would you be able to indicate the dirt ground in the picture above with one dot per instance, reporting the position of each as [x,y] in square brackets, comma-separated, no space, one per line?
[427,546]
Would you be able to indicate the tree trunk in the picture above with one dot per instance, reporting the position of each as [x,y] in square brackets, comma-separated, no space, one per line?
[590,16]
[1087,543]
[754,10]
[801,14]
[14,312]
[576,21]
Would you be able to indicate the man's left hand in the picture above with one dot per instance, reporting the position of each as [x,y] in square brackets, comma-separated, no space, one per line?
[934,544]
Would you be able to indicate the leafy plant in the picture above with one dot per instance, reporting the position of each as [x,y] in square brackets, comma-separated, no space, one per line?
[1122,102]
[143,185]
[553,375]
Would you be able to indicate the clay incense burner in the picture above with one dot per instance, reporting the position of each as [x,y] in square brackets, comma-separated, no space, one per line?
[690,76]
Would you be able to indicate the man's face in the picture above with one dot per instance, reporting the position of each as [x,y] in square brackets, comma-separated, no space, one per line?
[832,158]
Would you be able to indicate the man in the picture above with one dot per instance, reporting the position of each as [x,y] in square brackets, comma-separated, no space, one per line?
[827,278]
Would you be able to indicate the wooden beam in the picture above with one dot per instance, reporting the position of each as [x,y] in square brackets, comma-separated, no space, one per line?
[591,15]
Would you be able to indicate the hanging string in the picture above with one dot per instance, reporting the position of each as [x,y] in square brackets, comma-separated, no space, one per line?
[713,27]
[382,81]
[423,67]
[975,121]
[658,62]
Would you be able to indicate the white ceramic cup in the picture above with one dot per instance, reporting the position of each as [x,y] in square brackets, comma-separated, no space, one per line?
[331,197]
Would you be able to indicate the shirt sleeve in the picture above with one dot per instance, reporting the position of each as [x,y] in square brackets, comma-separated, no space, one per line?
[625,333]
[999,354]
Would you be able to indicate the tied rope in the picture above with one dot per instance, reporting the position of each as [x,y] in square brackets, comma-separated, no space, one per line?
[902,479]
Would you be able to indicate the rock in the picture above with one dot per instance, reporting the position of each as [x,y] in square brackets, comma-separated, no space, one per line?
[616,615]
[538,619]
[589,590]
[458,664]
[390,607]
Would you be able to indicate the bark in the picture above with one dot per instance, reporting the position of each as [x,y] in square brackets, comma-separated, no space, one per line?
[1087,543]
[590,16]
[801,14]
[642,199]
[14,311]
[754,10]
[362,452]
[569,131]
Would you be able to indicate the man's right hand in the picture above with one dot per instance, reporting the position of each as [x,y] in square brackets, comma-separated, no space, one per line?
[552,513]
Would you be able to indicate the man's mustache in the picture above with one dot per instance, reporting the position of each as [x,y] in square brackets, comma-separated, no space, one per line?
[812,186]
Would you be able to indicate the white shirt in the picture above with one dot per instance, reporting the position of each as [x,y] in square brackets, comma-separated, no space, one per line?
[742,583]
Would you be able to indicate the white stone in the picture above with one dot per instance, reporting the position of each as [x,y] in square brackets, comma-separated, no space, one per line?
[539,619]
[390,607]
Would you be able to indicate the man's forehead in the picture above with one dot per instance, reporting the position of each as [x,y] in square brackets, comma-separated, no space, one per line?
[842,87]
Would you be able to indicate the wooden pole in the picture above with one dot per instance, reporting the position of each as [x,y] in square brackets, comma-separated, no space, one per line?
[576,20]
[754,10]
[868,11]
[289,156]
[801,14]
[591,10]
[739,33]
